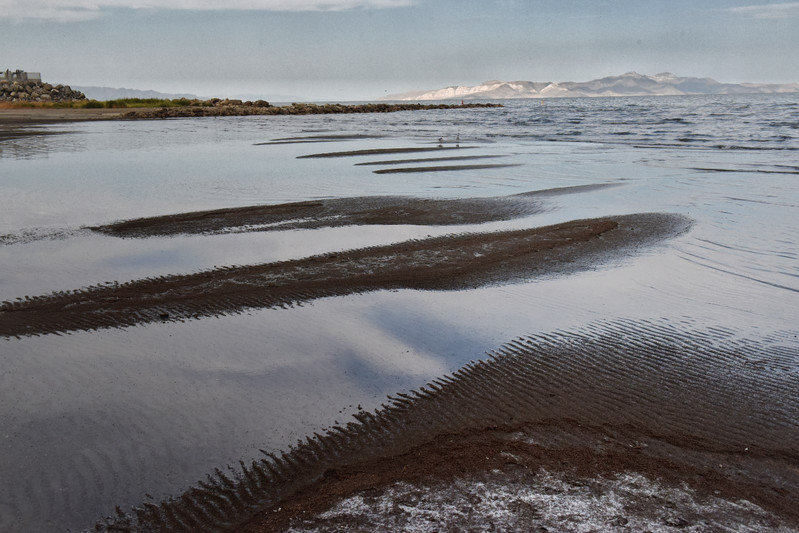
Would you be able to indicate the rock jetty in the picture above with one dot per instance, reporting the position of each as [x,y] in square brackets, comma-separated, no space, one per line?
[222,108]
[20,92]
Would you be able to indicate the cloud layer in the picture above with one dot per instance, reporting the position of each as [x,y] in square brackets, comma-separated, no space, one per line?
[77,10]
[783,10]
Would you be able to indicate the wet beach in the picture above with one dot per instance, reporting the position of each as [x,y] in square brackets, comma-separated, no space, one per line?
[225,324]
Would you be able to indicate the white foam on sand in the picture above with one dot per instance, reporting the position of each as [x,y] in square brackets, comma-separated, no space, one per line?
[544,502]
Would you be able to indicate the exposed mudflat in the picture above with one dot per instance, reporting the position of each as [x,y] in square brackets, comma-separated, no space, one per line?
[615,426]
[317,139]
[428,160]
[384,151]
[555,476]
[440,168]
[8,133]
[337,212]
[449,262]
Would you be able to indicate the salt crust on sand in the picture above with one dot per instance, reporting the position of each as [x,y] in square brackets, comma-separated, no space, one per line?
[496,501]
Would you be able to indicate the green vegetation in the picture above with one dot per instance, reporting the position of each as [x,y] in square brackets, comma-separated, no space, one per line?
[123,103]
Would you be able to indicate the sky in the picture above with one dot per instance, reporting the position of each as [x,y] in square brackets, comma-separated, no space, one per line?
[365,49]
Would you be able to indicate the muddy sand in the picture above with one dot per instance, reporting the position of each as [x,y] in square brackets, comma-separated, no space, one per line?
[339,212]
[614,427]
[442,263]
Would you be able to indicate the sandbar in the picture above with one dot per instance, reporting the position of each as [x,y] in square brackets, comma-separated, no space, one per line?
[443,263]
[623,415]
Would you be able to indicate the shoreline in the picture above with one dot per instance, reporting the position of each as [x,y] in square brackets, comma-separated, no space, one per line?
[544,463]
[616,414]
[21,116]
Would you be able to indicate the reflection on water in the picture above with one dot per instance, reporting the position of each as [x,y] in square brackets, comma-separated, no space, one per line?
[93,420]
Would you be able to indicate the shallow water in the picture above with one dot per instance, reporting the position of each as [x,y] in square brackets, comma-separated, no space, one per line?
[97,419]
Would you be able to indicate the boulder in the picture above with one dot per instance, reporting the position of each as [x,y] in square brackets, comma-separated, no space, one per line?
[37,91]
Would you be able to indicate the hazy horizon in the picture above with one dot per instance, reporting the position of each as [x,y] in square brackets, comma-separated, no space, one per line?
[365,49]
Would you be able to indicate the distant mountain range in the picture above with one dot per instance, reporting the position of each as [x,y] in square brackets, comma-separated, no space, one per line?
[109,93]
[629,84]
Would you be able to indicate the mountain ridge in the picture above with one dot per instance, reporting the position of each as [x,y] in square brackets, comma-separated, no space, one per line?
[628,84]
[112,93]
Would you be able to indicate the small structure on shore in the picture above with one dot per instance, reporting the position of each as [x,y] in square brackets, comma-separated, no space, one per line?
[21,76]
[20,87]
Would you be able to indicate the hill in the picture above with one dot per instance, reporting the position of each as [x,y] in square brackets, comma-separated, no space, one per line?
[628,84]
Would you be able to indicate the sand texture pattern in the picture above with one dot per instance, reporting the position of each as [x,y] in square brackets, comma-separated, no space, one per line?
[443,263]
[339,212]
[628,408]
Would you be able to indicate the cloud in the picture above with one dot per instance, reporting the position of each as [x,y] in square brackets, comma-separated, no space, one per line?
[77,10]
[784,10]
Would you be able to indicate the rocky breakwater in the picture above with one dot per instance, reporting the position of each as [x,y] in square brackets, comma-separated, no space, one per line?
[19,92]
[216,108]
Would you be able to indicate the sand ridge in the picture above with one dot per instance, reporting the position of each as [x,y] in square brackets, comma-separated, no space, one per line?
[338,212]
[441,263]
[608,404]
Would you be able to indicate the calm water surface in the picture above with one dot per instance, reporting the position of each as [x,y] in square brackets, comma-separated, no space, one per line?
[92,420]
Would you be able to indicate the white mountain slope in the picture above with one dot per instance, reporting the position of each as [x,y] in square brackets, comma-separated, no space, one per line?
[629,84]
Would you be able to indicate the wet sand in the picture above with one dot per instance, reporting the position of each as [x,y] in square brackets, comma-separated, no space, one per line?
[428,160]
[618,420]
[338,212]
[384,151]
[439,168]
[47,115]
[443,263]
[531,469]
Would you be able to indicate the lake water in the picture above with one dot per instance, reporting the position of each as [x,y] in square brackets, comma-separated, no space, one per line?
[92,420]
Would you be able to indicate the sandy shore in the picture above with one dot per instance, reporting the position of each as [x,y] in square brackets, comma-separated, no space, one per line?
[38,115]
[45,115]
[616,426]
[443,263]
[517,474]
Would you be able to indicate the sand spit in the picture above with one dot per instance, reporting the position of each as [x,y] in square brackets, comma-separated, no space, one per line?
[626,426]
[439,168]
[428,160]
[338,212]
[319,139]
[443,263]
[746,170]
[383,151]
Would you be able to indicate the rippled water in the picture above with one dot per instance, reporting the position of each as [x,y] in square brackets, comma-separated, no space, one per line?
[94,420]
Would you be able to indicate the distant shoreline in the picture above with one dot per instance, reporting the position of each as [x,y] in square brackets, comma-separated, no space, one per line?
[20,116]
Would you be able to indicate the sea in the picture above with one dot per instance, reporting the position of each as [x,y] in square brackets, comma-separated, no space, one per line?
[92,420]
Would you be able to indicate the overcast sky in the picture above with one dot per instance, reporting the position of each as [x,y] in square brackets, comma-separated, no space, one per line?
[364,49]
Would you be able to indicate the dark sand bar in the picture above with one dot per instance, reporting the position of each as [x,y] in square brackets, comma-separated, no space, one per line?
[428,160]
[622,417]
[318,139]
[443,263]
[338,212]
[384,151]
[439,168]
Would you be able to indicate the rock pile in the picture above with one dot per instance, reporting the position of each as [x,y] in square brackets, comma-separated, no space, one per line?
[36,91]
[223,108]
